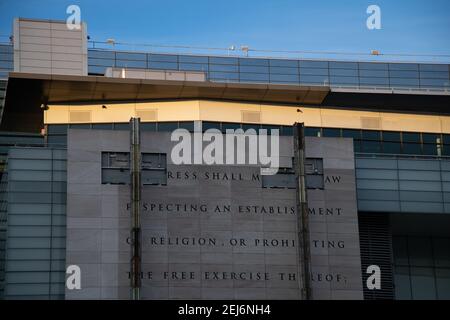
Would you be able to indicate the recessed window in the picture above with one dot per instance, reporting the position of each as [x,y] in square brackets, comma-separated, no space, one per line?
[115,168]
[154,169]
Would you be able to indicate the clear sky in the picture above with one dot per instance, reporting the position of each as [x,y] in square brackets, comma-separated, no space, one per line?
[414,26]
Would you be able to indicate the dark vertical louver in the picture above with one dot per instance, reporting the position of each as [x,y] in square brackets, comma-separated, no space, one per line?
[376,249]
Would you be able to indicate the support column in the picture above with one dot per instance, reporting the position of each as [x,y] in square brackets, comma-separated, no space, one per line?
[302,210]
[135,166]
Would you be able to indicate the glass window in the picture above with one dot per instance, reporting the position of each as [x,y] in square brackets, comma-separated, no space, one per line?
[434,82]
[148,126]
[313,64]
[411,148]
[223,60]
[392,147]
[253,62]
[443,283]
[223,68]
[313,72]
[264,77]
[371,135]
[433,67]
[57,129]
[101,62]
[402,82]
[193,67]
[331,132]
[283,63]
[441,252]
[374,73]
[60,140]
[167,126]
[131,64]
[404,74]
[230,125]
[255,127]
[370,146]
[96,70]
[224,75]
[284,78]
[162,65]
[122,126]
[287,131]
[210,125]
[411,137]
[80,126]
[350,133]
[400,248]
[402,283]
[188,125]
[154,167]
[422,283]
[343,65]
[404,66]
[193,59]
[372,66]
[115,168]
[433,75]
[131,56]
[322,80]
[312,132]
[344,72]
[391,136]
[102,126]
[344,80]
[270,127]
[102,54]
[431,149]
[379,82]
[420,251]
[163,57]
[254,69]
[283,70]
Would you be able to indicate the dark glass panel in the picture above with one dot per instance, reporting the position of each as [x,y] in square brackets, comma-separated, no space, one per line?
[350,133]
[391,136]
[148,126]
[412,148]
[57,128]
[392,147]
[331,132]
[312,132]
[371,135]
[167,126]
[411,137]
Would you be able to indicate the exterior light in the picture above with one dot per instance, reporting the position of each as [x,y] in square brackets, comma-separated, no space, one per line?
[245,50]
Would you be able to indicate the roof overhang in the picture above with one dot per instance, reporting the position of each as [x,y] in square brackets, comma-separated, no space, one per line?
[26,92]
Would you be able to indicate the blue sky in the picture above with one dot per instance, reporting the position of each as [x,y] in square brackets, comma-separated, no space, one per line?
[414,26]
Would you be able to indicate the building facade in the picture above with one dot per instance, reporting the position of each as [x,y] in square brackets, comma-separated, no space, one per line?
[376,163]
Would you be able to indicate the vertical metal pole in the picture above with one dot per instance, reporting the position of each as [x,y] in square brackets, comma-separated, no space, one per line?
[135,153]
[302,209]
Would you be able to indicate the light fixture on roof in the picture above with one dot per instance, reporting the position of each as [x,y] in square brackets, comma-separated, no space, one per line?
[375,52]
[231,48]
[245,50]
